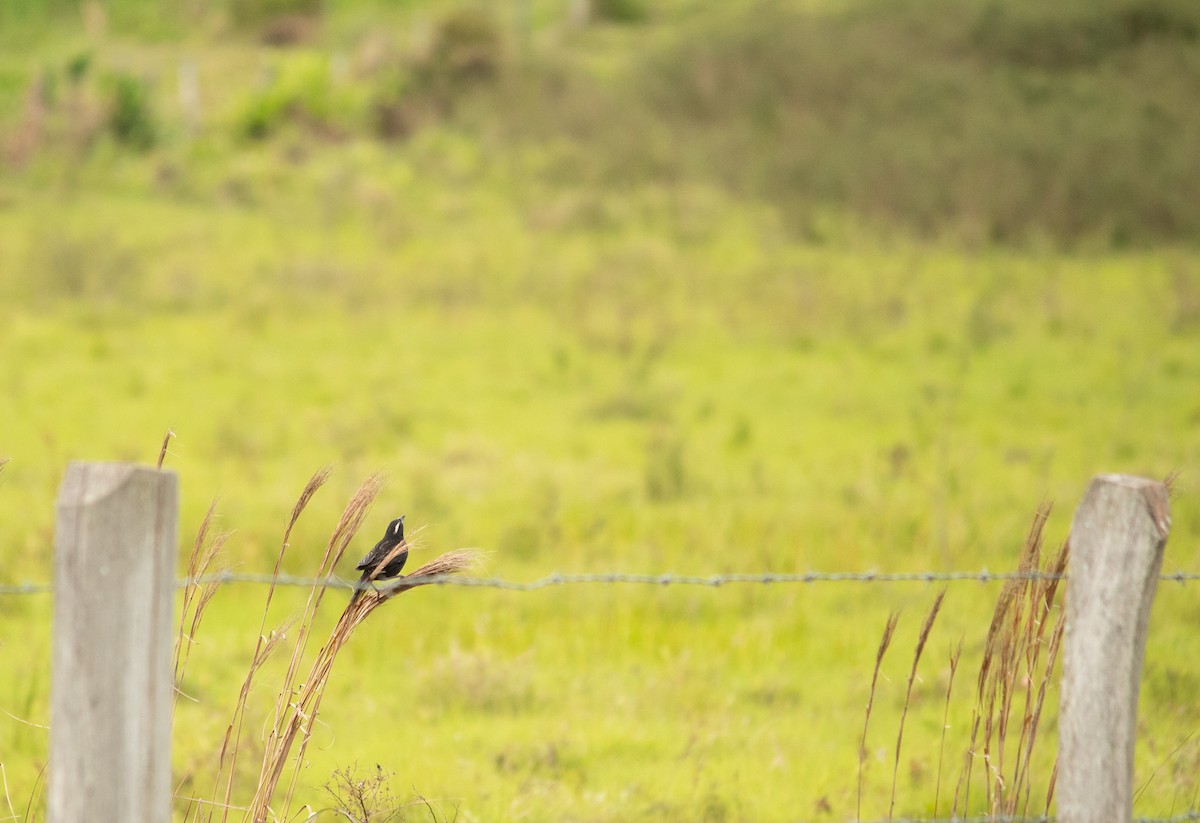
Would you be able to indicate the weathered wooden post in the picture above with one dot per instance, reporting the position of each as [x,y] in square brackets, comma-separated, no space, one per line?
[110,691]
[1117,540]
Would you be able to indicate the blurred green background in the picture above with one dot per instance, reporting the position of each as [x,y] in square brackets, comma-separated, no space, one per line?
[615,285]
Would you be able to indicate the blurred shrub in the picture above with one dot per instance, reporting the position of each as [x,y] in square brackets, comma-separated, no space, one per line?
[1012,121]
[77,67]
[278,22]
[467,47]
[265,112]
[303,95]
[131,118]
[1075,34]
[467,52]
[256,13]
[1069,122]
[398,108]
[619,11]
[289,30]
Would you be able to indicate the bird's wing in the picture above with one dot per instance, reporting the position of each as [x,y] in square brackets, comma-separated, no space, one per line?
[368,559]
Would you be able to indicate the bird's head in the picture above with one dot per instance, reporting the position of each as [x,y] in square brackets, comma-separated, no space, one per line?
[395,529]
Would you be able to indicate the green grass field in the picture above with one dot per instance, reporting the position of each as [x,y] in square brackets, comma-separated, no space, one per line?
[644,298]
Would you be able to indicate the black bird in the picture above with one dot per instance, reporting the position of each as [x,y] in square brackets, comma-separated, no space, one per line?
[387,558]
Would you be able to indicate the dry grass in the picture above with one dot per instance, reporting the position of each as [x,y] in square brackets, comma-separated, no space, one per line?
[298,707]
[937,789]
[264,646]
[922,638]
[1020,653]
[196,595]
[162,452]
[290,722]
[886,640]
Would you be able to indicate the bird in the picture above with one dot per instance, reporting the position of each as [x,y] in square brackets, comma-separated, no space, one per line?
[385,560]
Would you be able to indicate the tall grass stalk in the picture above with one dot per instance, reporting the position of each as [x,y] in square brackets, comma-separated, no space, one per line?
[888,630]
[162,452]
[290,724]
[922,638]
[1044,593]
[196,596]
[263,648]
[954,658]
[1019,658]
[288,709]
[295,725]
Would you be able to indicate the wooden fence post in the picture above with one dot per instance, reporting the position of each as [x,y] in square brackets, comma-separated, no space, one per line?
[110,691]
[1117,539]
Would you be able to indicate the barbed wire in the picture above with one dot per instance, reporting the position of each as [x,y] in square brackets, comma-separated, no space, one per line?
[666,579]
[671,579]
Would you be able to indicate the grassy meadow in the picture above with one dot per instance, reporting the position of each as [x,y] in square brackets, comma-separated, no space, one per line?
[773,287]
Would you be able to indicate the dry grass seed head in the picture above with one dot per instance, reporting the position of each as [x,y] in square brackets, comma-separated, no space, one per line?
[206,595]
[889,630]
[295,715]
[203,553]
[927,627]
[452,562]
[310,488]
[1006,616]
[1008,593]
[922,638]
[162,453]
[1053,646]
[201,535]
[351,520]
[1031,551]
[264,646]
[347,526]
[955,654]
[1168,481]
[1005,646]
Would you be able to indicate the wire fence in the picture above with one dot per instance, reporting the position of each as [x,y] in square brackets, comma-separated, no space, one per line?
[666,579]
[712,581]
